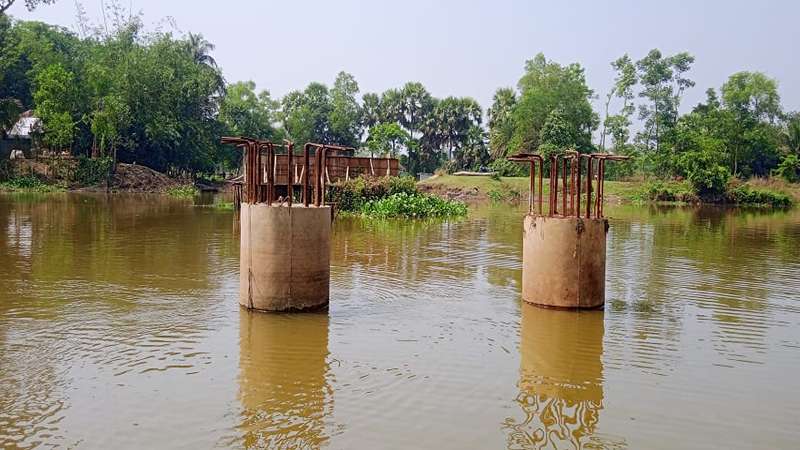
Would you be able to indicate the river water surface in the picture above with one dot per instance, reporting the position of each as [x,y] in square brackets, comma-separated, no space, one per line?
[120,328]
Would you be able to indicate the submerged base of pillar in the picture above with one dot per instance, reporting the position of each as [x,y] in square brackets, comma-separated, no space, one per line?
[285,257]
[564,261]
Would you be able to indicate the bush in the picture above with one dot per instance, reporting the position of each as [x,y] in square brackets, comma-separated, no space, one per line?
[28,183]
[503,193]
[353,194]
[183,191]
[506,168]
[666,191]
[448,167]
[413,206]
[746,195]
[789,169]
[707,176]
[89,171]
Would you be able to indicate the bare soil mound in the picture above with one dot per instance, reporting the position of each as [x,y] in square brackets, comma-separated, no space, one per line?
[136,178]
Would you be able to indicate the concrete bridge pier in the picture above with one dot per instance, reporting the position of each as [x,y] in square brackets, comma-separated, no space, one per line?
[564,251]
[564,261]
[284,257]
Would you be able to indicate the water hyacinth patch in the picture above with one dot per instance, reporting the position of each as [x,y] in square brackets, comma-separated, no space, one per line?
[414,205]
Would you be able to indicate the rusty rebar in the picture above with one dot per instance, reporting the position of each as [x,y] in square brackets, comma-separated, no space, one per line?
[532,159]
[289,178]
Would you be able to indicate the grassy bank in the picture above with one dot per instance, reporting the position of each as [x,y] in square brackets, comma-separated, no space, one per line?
[481,188]
[29,183]
[755,192]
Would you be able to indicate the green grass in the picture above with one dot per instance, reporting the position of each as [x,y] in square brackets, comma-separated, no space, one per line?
[28,183]
[186,191]
[624,189]
[665,191]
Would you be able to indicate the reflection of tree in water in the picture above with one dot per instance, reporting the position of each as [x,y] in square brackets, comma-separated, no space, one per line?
[283,383]
[560,386]
[729,267]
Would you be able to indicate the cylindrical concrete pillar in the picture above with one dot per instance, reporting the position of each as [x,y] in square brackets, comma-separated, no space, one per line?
[285,257]
[564,261]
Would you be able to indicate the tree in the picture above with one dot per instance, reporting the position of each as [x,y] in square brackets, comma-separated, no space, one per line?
[56,100]
[663,84]
[501,125]
[200,49]
[415,105]
[370,111]
[546,86]
[472,154]
[753,99]
[617,125]
[30,4]
[245,113]
[345,113]
[306,114]
[452,119]
[790,135]
[386,138]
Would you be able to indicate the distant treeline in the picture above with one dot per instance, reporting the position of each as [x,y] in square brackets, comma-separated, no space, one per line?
[161,100]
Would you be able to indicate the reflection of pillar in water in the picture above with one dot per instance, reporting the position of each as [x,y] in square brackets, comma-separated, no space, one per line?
[283,385]
[561,391]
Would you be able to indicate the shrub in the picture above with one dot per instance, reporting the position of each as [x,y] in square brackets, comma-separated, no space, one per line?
[746,195]
[789,169]
[414,205]
[506,168]
[183,191]
[449,167]
[351,195]
[28,183]
[707,176]
[89,171]
[666,191]
[504,192]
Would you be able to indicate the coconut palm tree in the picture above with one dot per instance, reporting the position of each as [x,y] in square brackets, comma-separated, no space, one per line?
[200,49]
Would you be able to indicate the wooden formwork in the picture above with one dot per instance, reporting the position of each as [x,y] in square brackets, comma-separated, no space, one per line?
[337,168]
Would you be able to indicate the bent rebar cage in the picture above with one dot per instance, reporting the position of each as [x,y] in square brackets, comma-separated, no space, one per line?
[262,171]
[570,164]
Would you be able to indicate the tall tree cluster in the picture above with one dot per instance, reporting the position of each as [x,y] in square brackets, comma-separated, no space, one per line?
[161,100]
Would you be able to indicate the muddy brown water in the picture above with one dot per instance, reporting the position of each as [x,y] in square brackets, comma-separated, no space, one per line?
[120,328]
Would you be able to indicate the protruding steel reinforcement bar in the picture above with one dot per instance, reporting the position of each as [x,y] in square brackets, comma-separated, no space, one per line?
[532,159]
[572,184]
[289,175]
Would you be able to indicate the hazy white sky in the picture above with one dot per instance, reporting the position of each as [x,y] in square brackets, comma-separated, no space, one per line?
[470,48]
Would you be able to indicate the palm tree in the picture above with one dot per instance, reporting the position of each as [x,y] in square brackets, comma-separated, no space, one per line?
[200,50]
[791,135]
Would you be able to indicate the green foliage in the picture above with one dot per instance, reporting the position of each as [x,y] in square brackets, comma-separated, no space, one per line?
[503,193]
[506,168]
[56,101]
[666,191]
[789,169]
[413,206]
[746,195]
[351,195]
[89,172]
[501,125]
[186,191]
[707,176]
[545,87]
[386,138]
[28,183]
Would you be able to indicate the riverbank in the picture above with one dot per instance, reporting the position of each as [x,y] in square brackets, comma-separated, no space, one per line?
[472,189]
[72,176]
